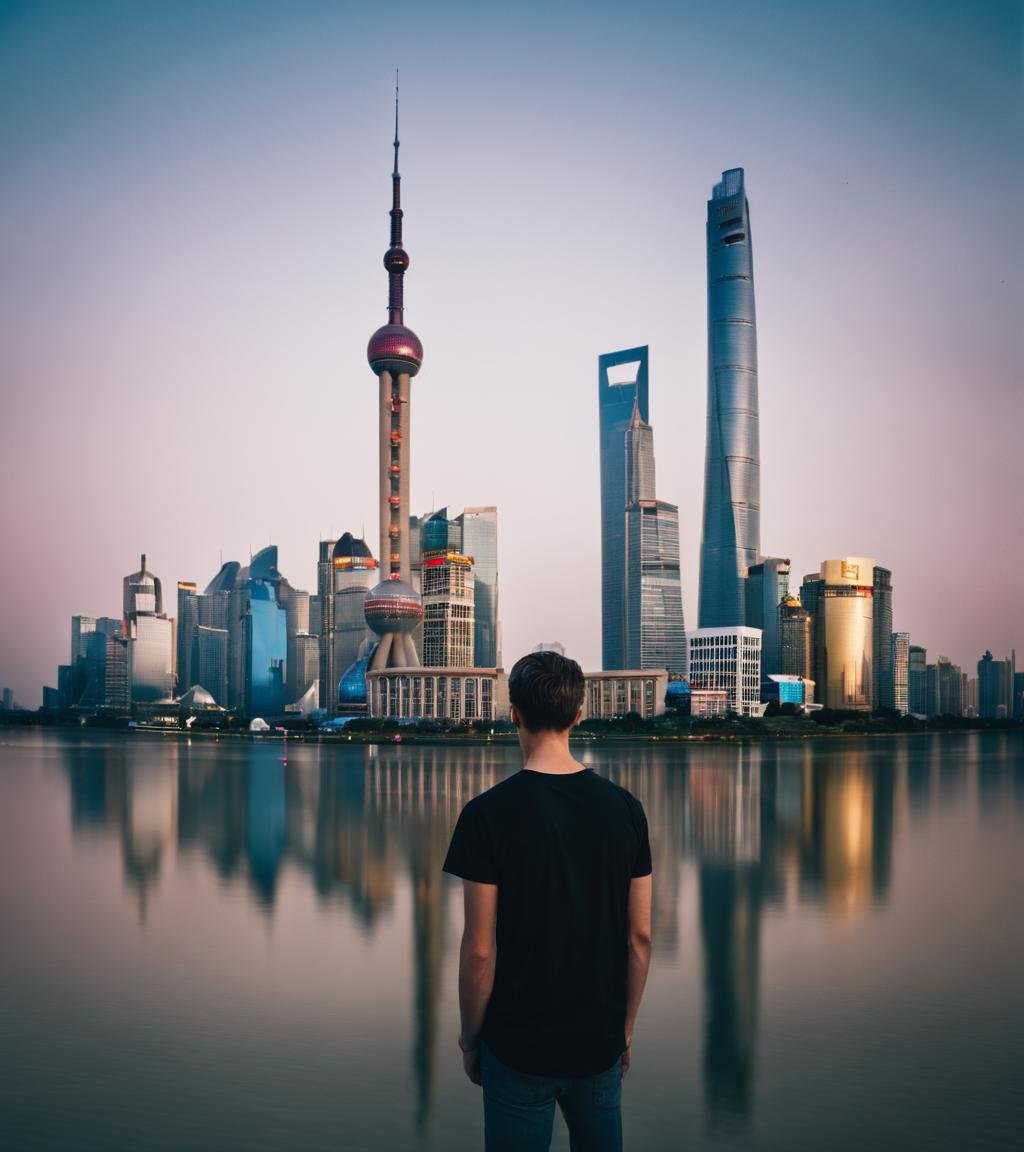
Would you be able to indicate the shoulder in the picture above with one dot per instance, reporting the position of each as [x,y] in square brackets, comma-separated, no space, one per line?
[495,797]
[617,792]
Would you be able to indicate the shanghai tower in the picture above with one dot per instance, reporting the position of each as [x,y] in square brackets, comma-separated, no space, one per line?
[731,536]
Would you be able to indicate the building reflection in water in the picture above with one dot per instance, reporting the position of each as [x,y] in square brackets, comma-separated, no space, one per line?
[754,821]
[847,850]
[724,825]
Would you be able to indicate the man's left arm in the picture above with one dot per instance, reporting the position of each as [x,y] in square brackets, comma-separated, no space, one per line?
[477,957]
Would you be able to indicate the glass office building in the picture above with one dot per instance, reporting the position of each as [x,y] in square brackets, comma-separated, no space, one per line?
[731,535]
[899,660]
[303,665]
[795,639]
[210,661]
[882,687]
[654,635]
[766,586]
[917,666]
[844,633]
[150,658]
[615,408]
[188,621]
[355,572]
[266,651]
[150,665]
[479,540]
[995,686]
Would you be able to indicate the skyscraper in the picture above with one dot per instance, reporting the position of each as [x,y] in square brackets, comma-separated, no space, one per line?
[81,629]
[899,663]
[479,529]
[944,688]
[393,608]
[731,536]
[995,686]
[209,661]
[881,659]
[917,694]
[795,639]
[355,573]
[654,633]
[188,621]
[143,592]
[303,665]
[766,586]
[149,634]
[844,632]
[265,630]
[448,599]
[325,625]
[615,408]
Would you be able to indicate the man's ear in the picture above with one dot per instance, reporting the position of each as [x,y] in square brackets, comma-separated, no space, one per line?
[513,715]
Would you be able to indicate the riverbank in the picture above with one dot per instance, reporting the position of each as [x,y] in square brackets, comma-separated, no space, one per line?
[666,729]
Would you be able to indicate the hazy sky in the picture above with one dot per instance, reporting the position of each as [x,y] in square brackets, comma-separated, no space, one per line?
[193,211]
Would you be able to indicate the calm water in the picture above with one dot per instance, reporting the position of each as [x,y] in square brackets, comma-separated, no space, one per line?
[237,946]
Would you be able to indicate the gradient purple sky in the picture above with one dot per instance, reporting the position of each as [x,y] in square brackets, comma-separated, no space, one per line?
[193,211]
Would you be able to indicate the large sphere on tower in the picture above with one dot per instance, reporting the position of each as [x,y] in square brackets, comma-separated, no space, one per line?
[395,349]
[392,606]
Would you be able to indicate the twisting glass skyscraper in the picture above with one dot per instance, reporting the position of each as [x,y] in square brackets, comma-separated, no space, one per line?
[731,535]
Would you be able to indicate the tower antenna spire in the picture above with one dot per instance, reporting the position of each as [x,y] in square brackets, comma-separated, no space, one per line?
[395,172]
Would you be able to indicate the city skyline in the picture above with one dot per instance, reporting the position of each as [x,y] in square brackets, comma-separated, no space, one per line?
[178,226]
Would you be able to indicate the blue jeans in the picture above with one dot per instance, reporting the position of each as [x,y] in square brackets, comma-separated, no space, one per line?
[519,1110]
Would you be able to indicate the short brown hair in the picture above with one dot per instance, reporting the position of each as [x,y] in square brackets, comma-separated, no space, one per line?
[547,690]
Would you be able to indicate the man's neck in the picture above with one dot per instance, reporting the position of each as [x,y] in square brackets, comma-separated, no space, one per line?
[548,752]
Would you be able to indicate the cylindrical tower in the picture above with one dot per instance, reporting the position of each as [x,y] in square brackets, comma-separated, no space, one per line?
[731,535]
[393,608]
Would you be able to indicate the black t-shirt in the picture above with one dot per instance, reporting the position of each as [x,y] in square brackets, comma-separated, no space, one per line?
[562,850]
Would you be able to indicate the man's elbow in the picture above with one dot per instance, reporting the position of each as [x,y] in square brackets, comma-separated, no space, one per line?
[640,940]
[477,953]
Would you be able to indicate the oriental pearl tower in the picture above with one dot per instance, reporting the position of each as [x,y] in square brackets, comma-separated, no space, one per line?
[393,608]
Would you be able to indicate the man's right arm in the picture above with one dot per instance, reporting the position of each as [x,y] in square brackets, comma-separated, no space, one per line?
[639,954]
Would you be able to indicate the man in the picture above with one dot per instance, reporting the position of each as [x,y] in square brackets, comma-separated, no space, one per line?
[556,870]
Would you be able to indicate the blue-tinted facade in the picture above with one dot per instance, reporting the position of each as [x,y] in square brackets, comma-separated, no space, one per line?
[352,685]
[266,651]
[783,689]
[615,410]
[730,540]
[678,696]
[766,586]
[479,539]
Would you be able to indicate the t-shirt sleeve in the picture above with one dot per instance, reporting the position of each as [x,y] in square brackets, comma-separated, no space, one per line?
[642,859]
[471,852]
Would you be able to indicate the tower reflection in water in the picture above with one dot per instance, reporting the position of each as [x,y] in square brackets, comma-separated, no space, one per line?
[759,825]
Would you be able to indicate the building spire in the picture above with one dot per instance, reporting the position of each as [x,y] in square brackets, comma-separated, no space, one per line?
[396,259]
[394,174]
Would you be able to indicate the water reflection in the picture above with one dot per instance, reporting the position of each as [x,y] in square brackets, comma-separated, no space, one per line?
[756,824]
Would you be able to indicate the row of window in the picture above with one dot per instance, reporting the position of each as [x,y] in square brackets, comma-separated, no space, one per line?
[433,697]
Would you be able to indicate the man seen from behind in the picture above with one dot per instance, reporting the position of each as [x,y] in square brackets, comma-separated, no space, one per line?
[556,870]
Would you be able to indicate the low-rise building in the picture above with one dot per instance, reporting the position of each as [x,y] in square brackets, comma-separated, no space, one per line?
[729,660]
[616,693]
